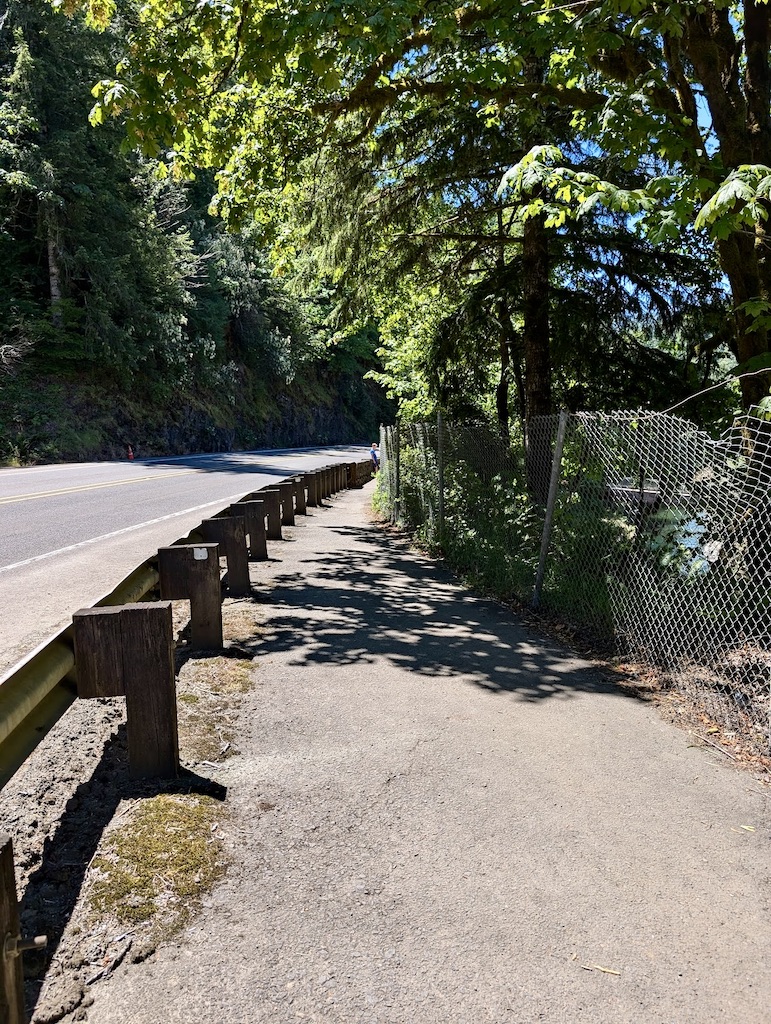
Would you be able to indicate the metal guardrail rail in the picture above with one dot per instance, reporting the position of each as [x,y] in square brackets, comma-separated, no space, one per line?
[37,691]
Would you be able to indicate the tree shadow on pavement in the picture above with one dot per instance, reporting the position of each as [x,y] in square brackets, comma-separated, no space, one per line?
[257,461]
[357,605]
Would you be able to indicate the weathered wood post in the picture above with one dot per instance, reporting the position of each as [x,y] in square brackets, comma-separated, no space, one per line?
[191,572]
[312,483]
[12,988]
[272,498]
[287,503]
[299,495]
[129,650]
[254,515]
[230,533]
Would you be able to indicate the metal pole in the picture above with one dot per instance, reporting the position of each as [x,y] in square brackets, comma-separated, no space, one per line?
[397,473]
[440,468]
[551,502]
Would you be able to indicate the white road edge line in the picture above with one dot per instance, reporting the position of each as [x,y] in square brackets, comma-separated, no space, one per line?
[117,533]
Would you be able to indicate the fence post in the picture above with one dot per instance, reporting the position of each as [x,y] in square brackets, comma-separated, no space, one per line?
[397,475]
[440,469]
[191,572]
[130,650]
[550,503]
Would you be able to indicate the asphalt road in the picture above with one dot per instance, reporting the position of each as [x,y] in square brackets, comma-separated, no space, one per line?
[70,533]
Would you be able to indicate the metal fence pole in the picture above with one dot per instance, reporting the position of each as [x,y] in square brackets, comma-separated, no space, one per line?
[440,469]
[397,475]
[551,502]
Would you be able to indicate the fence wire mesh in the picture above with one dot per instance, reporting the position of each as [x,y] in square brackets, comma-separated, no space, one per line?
[659,546]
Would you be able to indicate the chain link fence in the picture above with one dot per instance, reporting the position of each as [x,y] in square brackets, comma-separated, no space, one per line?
[642,534]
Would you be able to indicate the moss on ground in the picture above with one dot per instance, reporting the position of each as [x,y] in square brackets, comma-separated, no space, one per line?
[160,861]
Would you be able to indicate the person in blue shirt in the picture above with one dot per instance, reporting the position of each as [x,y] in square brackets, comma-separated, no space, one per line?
[375,456]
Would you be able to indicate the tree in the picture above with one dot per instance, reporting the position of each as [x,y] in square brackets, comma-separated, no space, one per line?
[680,91]
[420,202]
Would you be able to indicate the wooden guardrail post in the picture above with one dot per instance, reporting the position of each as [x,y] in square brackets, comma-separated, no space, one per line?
[254,515]
[299,494]
[287,503]
[191,572]
[230,533]
[272,498]
[130,650]
[327,472]
[312,483]
[12,987]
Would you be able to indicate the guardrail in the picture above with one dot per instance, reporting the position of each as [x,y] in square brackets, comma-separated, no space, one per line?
[37,692]
[40,688]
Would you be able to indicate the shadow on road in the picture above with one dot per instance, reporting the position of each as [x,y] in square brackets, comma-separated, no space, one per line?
[354,607]
[259,461]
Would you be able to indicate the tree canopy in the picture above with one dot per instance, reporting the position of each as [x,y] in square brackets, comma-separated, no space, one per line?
[675,96]
[127,311]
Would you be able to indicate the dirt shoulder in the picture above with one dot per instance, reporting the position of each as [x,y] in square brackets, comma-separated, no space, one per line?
[435,814]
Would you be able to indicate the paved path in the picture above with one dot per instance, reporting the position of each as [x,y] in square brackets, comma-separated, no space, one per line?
[469,824]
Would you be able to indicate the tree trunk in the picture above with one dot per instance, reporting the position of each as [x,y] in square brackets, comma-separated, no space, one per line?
[739,95]
[738,260]
[54,279]
[536,348]
[502,390]
[535,334]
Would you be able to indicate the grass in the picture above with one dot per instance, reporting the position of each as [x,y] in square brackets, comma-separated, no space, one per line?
[205,713]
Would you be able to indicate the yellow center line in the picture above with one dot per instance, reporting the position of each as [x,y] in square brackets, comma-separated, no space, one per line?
[91,487]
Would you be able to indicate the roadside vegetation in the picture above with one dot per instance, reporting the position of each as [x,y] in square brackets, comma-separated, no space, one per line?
[226,225]
[129,314]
